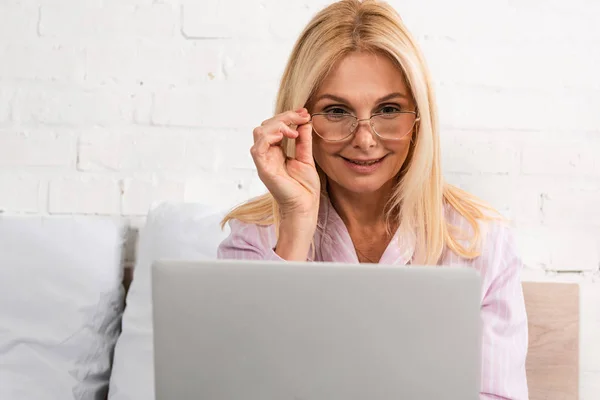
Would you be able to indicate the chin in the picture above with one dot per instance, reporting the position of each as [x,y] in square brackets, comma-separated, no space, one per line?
[363,185]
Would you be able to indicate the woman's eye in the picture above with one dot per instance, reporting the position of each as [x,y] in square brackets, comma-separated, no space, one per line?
[336,110]
[389,109]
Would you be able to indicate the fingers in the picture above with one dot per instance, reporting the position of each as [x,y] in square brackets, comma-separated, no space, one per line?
[272,131]
[304,152]
[297,117]
[270,135]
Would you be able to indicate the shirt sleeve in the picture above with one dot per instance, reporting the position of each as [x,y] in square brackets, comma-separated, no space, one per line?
[249,242]
[504,321]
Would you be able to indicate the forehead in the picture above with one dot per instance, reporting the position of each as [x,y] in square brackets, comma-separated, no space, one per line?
[363,75]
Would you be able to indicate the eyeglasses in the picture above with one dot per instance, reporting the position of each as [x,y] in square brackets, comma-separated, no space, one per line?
[335,127]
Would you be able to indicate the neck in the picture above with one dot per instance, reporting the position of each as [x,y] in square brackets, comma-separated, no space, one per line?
[360,210]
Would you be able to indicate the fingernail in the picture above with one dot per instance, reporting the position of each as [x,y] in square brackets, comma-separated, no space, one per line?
[301,111]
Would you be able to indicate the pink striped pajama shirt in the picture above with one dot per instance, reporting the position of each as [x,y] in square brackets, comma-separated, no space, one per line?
[503,313]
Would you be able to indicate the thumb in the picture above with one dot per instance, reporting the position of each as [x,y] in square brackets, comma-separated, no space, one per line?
[304,151]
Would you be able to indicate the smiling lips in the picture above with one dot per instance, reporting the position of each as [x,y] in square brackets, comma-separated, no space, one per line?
[364,162]
[365,167]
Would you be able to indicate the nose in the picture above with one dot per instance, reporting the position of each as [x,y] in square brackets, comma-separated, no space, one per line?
[364,137]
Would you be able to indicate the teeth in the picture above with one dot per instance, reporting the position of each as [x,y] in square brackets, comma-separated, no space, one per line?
[363,162]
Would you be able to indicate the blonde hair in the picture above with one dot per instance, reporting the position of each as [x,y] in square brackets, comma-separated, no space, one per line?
[418,199]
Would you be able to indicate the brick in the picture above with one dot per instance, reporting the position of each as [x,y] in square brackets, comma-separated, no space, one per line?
[140,195]
[178,107]
[491,189]
[555,248]
[142,102]
[528,200]
[84,194]
[262,61]
[36,148]
[479,152]
[135,2]
[20,193]
[499,22]
[229,188]
[49,104]
[434,21]
[254,185]
[590,379]
[42,61]
[514,65]
[561,200]
[575,203]
[561,154]
[502,109]
[139,149]
[153,63]
[18,22]
[224,19]
[505,193]
[533,275]
[6,100]
[234,149]
[206,151]
[282,27]
[215,105]
[116,21]
[577,20]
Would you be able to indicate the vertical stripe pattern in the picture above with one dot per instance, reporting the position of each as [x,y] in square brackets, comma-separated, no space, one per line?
[505,336]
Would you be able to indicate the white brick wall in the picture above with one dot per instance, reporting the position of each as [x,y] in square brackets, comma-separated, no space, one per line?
[20,193]
[108,106]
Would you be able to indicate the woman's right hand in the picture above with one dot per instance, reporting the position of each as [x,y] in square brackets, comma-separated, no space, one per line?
[293,182]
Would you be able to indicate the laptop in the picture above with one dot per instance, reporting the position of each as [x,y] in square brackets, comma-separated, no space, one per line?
[264,330]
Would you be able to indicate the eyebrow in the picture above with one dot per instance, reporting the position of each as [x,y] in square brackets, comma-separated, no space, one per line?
[342,100]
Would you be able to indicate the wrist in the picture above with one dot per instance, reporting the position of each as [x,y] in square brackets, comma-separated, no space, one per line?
[299,222]
[304,214]
[295,238]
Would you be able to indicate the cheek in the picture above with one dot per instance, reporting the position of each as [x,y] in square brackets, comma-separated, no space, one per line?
[323,153]
[402,149]
[401,152]
[403,146]
[318,156]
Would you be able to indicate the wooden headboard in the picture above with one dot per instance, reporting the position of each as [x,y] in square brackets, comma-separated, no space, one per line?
[553,356]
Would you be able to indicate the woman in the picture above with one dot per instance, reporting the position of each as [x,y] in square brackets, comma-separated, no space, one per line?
[352,165]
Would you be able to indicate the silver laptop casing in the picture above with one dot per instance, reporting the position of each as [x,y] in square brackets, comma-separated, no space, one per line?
[257,330]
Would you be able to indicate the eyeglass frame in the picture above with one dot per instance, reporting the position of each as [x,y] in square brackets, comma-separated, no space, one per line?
[370,119]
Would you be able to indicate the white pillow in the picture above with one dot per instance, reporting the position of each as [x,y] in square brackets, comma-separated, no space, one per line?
[61,300]
[174,231]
